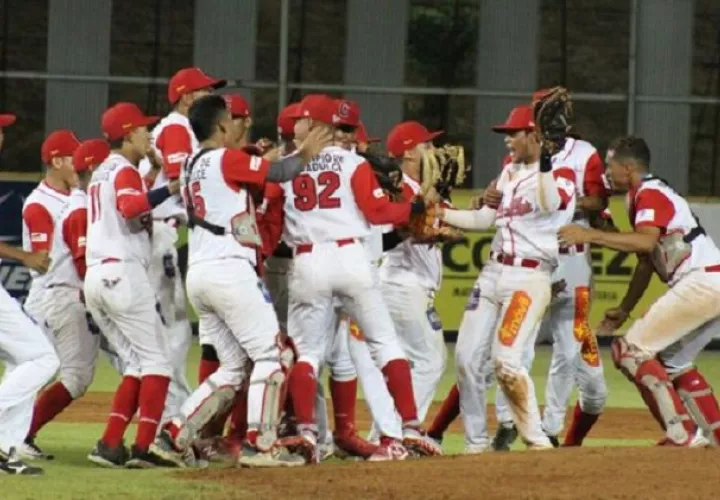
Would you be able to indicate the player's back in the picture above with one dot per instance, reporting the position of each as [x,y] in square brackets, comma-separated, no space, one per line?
[110,236]
[320,204]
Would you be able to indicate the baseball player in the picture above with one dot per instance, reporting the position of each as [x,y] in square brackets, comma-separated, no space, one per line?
[30,359]
[363,140]
[118,291]
[327,212]
[223,286]
[656,353]
[55,221]
[537,199]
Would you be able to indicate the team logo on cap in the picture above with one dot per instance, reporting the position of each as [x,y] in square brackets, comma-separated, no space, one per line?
[344,109]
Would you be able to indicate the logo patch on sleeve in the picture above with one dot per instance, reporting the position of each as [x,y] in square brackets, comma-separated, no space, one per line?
[645,215]
[378,193]
[38,237]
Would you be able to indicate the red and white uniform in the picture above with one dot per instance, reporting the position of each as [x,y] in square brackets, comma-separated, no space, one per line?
[575,359]
[410,275]
[502,322]
[56,222]
[117,288]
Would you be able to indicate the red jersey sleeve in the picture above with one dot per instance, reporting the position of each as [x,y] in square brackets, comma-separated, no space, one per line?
[131,199]
[239,168]
[74,232]
[372,200]
[40,226]
[175,144]
[593,184]
[652,208]
[271,217]
[565,180]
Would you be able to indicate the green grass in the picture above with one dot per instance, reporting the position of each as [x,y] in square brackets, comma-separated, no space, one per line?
[70,476]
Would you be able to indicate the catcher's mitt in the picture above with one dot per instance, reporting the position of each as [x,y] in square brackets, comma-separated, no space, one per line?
[443,168]
[552,112]
[388,173]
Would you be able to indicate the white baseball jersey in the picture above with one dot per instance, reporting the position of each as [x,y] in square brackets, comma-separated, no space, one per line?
[119,220]
[655,203]
[217,187]
[173,141]
[588,167]
[48,218]
[525,230]
[412,263]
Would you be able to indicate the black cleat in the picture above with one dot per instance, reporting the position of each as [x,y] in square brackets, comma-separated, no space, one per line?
[104,456]
[146,459]
[504,438]
[554,441]
[10,464]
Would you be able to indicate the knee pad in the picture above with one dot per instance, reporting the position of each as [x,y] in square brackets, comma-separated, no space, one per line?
[208,353]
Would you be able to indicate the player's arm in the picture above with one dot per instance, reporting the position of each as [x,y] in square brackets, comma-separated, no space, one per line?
[132,201]
[175,145]
[555,188]
[470,220]
[375,204]
[74,233]
[155,168]
[271,218]
[40,226]
[595,199]
[638,284]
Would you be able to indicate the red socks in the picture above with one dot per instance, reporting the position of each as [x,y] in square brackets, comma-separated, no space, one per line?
[51,402]
[124,406]
[206,368]
[302,386]
[344,396]
[580,427]
[449,411]
[238,419]
[399,383]
[153,392]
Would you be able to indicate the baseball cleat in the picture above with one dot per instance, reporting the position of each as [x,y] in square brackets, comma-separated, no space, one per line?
[304,445]
[698,440]
[539,446]
[30,451]
[165,448]
[10,464]
[476,449]
[350,444]
[326,450]
[390,449]
[554,441]
[505,436]
[104,456]
[418,444]
[218,449]
[147,459]
[251,457]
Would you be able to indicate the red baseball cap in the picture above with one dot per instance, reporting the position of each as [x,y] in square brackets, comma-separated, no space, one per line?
[6,120]
[58,144]
[90,153]
[520,118]
[347,113]
[362,136]
[318,107]
[407,135]
[237,105]
[189,80]
[285,120]
[122,118]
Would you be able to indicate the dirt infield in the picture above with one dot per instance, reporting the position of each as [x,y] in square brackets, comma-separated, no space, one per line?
[581,473]
[615,423]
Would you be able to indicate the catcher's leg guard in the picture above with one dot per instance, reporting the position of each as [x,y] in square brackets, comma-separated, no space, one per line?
[700,401]
[265,395]
[651,374]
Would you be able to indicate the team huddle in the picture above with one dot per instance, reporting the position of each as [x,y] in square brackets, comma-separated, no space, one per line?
[311,253]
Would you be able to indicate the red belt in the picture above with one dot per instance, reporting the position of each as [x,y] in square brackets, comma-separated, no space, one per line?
[511,260]
[713,269]
[580,247]
[308,247]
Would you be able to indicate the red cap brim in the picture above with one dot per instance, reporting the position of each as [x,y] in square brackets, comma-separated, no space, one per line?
[433,135]
[148,120]
[7,120]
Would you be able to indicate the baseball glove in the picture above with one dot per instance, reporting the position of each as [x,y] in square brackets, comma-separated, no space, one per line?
[388,173]
[427,228]
[552,112]
[443,168]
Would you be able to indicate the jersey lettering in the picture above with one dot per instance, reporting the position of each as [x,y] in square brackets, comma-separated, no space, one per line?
[306,192]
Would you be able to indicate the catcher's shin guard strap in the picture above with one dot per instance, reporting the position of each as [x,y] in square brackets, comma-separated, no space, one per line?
[218,401]
[273,397]
[700,401]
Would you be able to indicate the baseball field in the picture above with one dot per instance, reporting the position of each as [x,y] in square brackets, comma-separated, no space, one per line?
[618,462]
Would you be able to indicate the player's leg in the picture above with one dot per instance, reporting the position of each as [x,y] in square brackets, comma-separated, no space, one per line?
[691,385]
[77,349]
[506,432]
[681,310]
[421,336]
[525,295]
[33,361]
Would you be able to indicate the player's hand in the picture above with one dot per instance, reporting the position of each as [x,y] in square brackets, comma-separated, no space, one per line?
[476,203]
[37,261]
[318,138]
[614,319]
[265,145]
[572,234]
[273,154]
[174,186]
[492,197]
[155,162]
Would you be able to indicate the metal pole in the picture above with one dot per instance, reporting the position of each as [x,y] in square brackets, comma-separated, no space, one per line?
[284,47]
[632,68]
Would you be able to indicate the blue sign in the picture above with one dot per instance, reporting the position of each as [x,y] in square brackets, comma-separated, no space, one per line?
[15,277]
